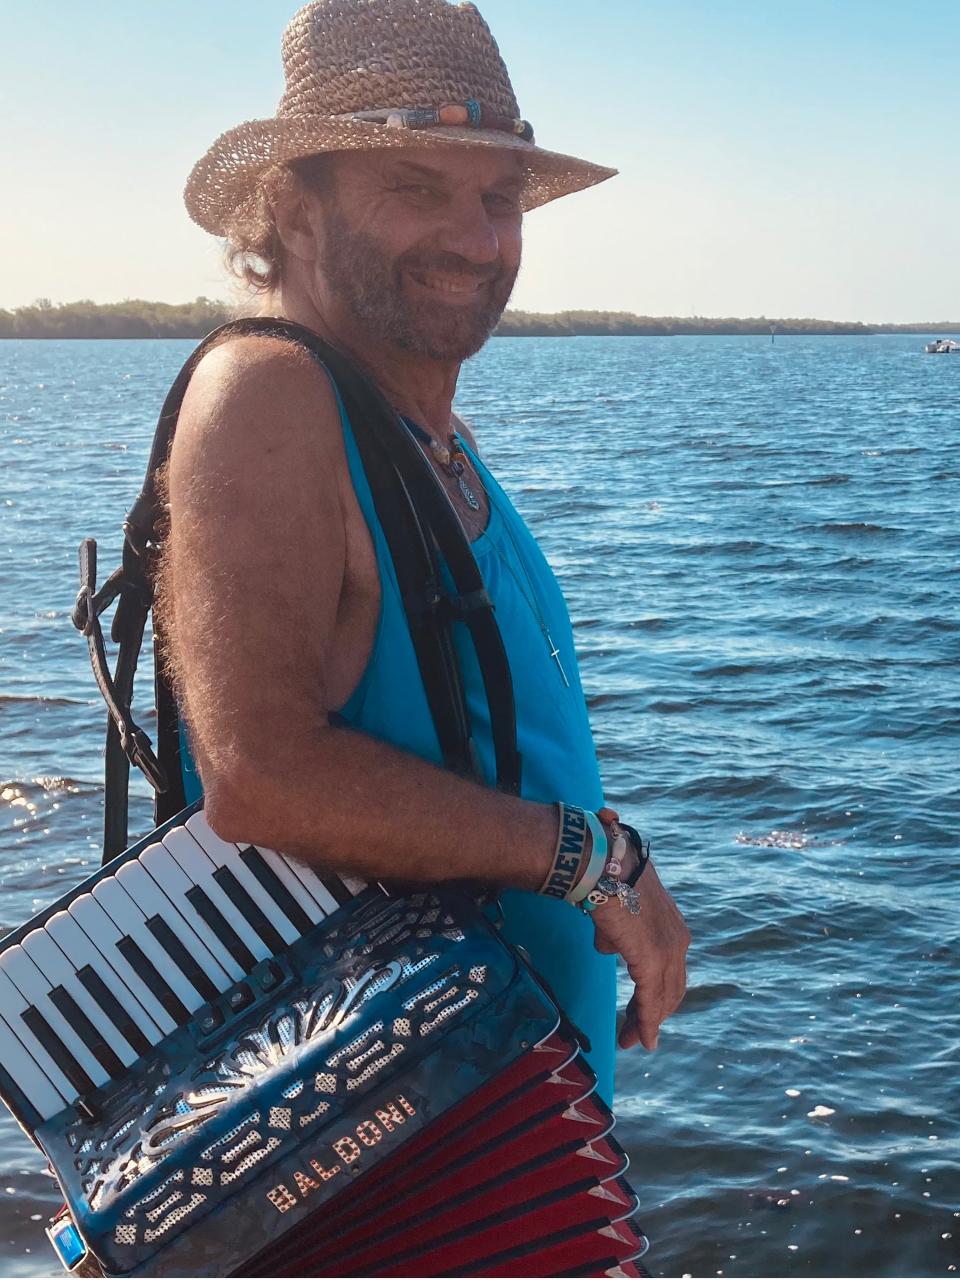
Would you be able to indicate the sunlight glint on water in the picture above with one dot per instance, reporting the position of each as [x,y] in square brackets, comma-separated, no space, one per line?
[759,545]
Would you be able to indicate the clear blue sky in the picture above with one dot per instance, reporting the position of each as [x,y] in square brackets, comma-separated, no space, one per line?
[777,157]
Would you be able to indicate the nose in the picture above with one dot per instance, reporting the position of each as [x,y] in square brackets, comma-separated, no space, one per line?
[469,232]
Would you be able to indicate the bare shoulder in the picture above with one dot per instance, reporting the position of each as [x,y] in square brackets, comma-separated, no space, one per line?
[257,471]
[258,393]
[257,559]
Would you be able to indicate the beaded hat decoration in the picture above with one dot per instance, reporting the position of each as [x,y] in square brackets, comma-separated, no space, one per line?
[366,74]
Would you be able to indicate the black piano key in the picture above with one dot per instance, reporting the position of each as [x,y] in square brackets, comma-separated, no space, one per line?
[338,890]
[64,1002]
[144,969]
[254,917]
[114,1010]
[271,883]
[222,928]
[65,1060]
[182,958]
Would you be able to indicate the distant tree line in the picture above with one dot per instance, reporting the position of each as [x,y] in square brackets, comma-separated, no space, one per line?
[131,319]
[138,319]
[569,324]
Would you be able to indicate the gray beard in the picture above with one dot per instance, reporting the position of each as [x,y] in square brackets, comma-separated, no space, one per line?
[360,275]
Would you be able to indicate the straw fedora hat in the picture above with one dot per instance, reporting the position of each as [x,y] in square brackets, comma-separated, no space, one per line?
[366,74]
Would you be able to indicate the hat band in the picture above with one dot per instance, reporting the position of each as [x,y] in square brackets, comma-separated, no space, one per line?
[469,113]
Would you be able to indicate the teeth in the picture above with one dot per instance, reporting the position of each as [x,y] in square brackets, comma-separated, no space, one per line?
[446,284]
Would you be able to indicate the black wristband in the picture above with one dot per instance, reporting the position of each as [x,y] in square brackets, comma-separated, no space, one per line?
[643,855]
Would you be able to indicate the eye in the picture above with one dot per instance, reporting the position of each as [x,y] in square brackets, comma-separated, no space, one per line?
[501,204]
[419,192]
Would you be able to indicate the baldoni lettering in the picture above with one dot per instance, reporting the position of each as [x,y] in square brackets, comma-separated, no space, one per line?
[345,1151]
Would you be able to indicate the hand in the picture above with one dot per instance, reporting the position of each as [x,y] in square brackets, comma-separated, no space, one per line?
[654,946]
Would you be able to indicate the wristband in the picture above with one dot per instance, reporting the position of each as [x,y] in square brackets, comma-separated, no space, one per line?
[570,852]
[587,884]
[612,883]
[643,855]
[595,868]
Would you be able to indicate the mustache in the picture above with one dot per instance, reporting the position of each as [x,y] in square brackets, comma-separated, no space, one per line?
[452,262]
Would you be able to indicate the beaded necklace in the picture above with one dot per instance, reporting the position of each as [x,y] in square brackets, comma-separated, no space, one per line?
[451,457]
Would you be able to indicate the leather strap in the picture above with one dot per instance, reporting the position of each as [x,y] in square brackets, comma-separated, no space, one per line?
[427,542]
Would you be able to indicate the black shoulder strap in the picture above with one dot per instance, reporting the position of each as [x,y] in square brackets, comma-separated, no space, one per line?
[424,534]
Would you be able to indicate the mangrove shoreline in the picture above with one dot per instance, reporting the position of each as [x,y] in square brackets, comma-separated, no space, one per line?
[136,318]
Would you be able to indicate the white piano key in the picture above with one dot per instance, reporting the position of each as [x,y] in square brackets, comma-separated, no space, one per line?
[298,877]
[35,989]
[59,972]
[223,854]
[353,884]
[198,866]
[131,921]
[175,883]
[27,1074]
[154,902]
[42,1081]
[310,881]
[82,953]
[285,873]
[100,928]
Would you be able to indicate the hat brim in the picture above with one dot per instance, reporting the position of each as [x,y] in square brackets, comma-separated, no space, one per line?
[221,192]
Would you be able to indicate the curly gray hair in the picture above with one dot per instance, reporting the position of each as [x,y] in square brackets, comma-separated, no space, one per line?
[253,252]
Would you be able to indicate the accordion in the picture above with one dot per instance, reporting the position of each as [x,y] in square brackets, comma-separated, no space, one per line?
[236,1066]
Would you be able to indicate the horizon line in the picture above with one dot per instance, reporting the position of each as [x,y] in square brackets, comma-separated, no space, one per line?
[43,304]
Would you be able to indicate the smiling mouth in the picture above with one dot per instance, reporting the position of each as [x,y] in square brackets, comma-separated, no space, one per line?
[452,285]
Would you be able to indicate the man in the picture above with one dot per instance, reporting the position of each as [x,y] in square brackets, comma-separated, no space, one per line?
[384,206]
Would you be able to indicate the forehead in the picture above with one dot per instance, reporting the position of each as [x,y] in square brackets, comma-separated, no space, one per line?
[447,165]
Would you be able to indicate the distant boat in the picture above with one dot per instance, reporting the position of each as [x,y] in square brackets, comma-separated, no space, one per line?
[943,347]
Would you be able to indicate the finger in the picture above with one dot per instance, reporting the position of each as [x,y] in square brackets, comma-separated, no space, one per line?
[651,1014]
[636,1025]
[630,1031]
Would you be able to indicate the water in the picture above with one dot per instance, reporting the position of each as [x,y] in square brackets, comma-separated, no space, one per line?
[759,544]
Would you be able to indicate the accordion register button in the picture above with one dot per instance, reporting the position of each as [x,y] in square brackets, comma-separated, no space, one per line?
[210,1019]
[270,975]
[240,997]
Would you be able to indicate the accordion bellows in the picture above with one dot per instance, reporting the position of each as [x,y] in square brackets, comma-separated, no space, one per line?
[401,1097]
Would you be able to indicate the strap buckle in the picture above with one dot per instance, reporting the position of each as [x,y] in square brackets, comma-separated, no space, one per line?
[136,747]
[127,631]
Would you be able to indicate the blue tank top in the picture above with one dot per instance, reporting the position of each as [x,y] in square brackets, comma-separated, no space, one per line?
[553,732]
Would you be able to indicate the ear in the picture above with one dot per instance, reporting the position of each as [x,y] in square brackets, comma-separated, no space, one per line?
[292,213]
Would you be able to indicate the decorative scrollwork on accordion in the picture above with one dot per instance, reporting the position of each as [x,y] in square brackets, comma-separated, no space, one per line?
[157,1118]
[400,1058]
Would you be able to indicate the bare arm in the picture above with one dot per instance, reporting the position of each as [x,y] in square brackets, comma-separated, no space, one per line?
[257,564]
[256,572]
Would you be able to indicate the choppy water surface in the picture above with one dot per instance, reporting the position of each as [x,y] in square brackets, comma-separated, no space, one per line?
[759,544]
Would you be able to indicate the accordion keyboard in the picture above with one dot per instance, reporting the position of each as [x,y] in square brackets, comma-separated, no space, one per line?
[143,949]
[228,1061]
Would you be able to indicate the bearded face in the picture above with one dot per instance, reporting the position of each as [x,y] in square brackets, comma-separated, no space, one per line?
[427,266]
